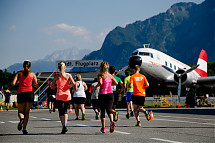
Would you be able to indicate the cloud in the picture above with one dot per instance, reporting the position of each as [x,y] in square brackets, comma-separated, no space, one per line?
[12,28]
[65,28]
[61,41]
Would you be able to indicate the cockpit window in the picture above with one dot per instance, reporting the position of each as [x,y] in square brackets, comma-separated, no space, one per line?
[135,53]
[144,53]
[151,55]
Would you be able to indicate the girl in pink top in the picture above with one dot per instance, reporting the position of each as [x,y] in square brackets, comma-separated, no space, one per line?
[25,96]
[63,81]
[105,98]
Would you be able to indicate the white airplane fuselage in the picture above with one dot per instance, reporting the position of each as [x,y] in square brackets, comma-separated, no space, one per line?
[160,67]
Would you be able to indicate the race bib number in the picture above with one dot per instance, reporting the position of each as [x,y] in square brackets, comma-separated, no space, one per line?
[113,88]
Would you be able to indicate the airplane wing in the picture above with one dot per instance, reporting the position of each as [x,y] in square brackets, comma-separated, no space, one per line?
[206,81]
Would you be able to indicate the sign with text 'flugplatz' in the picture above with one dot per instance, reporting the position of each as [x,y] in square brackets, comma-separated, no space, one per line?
[81,63]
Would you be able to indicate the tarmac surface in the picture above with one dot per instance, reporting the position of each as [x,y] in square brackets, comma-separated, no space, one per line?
[171,125]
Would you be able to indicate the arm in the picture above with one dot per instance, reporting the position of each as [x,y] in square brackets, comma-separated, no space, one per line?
[15,79]
[100,82]
[146,84]
[130,85]
[125,88]
[53,85]
[35,80]
[76,86]
[71,79]
[85,86]
[122,85]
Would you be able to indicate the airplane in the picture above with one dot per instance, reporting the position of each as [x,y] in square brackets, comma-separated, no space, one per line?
[163,69]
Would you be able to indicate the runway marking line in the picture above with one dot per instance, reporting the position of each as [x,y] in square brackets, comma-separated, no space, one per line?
[2,122]
[164,140]
[14,122]
[33,117]
[46,119]
[122,132]
[186,118]
[186,122]
[114,131]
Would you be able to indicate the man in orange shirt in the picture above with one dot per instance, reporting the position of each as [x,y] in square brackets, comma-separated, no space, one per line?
[139,82]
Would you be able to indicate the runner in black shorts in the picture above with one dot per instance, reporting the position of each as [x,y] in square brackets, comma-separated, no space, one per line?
[139,82]
[25,97]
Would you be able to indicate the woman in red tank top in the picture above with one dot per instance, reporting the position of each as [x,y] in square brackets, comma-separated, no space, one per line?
[25,96]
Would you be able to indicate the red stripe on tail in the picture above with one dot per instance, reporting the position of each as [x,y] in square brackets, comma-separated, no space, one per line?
[201,72]
[202,62]
[203,55]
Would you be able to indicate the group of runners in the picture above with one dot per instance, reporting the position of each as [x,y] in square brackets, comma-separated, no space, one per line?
[105,94]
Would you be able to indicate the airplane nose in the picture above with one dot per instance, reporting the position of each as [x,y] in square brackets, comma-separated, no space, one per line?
[135,60]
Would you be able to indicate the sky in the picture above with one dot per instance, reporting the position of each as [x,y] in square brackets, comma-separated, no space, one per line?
[33,29]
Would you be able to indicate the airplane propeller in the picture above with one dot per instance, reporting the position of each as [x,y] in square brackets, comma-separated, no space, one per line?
[181,75]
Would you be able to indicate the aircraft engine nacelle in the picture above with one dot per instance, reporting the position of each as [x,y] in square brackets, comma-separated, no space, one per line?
[183,78]
[134,60]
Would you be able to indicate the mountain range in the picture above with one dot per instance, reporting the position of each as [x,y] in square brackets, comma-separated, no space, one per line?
[48,64]
[181,32]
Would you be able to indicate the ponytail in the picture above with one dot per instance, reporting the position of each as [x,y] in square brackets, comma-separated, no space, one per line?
[26,66]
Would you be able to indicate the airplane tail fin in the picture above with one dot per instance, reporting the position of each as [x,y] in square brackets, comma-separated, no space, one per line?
[202,61]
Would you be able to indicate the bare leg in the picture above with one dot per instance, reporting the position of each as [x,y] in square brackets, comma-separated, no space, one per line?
[141,109]
[128,107]
[82,108]
[103,122]
[64,119]
[77,110]
[136,112]
[132,108]
[111,117]
[21,109]
[52,105]
[27,110]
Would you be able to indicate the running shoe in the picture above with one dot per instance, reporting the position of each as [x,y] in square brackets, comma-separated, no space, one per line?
[116,116]
[103,130]
[147,115]
[112,127]
[24,131]
[97,116]
[138,124]
[83,117]
[64,130]
[132,114]
[127,115]
[76,118]
[50,111]
[19,127]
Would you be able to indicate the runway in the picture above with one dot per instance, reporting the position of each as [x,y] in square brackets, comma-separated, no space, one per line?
[170,126]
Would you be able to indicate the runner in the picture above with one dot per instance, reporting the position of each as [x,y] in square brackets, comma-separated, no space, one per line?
[79,96]
[106,95]
[51,95]
[7,98]
[25,96]
[139,82]
[63,81]
[116,91]
[128,93]
[94,98]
